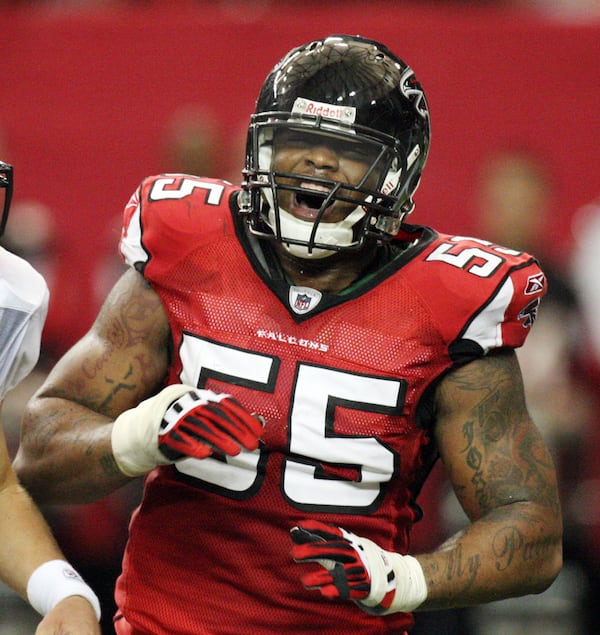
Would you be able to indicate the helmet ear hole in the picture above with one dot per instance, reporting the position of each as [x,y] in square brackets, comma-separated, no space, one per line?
[350,88]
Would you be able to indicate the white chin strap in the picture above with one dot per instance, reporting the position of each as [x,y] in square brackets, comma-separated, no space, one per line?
[338,234]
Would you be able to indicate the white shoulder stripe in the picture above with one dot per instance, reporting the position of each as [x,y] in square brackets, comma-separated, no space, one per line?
[131,240]
[486,328]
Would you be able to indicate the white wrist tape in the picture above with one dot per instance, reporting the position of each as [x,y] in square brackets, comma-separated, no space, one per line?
[392,571]
[135,432]
[54,581]
[411,588]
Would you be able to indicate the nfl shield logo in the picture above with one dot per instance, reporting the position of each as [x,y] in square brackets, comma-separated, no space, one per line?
[303,299]
[302,302]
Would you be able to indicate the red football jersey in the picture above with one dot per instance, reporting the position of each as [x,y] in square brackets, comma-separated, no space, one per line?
[343,381]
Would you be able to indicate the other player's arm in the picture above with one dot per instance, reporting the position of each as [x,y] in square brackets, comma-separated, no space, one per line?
[32,564]
[65,454]
[504,479]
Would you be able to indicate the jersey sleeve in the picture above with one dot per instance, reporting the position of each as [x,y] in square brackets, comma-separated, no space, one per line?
[23,308]
[506,319]
[169,215]
[483,296]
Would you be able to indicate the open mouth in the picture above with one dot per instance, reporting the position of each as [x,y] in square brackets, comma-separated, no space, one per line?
[307,204]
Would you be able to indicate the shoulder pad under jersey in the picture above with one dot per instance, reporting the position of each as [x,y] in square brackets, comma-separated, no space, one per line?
[169,214]
[478,292]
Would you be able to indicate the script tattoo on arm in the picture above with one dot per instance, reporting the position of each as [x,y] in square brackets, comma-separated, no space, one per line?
[504,478]
[509,543]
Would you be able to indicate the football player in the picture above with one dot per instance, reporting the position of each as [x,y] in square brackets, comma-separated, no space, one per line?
[31,562]
[285,361]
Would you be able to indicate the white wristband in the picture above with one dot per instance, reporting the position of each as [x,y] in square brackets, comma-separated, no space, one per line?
[411,588]
[54,581]
[135,432]
[391,571]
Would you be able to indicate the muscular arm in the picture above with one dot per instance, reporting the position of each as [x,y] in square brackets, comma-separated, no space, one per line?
[65,452]
[504,478]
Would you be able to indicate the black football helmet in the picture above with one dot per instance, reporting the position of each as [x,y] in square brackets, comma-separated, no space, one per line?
[6,190]
[354,90]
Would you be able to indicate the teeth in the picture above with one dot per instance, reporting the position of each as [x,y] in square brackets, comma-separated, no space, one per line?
[315,187]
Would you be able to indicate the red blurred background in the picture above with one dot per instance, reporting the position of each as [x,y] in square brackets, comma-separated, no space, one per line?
[87,96]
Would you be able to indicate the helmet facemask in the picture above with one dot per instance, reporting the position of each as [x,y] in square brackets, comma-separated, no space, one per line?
[348,92]
[370,212]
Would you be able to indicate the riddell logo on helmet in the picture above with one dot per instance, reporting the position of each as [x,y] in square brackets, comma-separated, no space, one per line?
[345,114]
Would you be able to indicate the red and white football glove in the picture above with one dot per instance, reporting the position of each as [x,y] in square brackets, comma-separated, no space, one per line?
[355,568]
[182,421]
[202,422]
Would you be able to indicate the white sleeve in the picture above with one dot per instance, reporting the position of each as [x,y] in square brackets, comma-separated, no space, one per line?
[586,268]
[23,307]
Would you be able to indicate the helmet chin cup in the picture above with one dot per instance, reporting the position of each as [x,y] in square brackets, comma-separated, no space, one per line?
[300,237]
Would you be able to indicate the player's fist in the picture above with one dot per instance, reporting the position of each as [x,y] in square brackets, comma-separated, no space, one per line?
[181,421]
[201,422]
[357,569]
[343,572]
